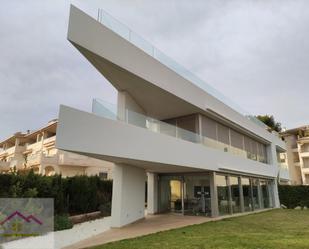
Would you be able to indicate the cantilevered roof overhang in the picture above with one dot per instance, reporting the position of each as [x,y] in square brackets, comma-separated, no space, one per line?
[158,89]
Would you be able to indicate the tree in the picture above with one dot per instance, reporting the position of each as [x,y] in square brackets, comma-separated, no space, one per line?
[269,120]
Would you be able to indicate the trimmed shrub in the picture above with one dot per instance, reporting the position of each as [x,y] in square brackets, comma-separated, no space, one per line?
[62,222]
[294,196]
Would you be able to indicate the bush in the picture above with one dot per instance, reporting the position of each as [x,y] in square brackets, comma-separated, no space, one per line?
[62,222]
[293,196]
[105,209]
[72,195]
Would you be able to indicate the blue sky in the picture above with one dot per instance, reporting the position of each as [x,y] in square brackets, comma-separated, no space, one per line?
[254,52]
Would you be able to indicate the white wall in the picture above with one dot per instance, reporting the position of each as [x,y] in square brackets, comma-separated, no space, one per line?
[128,203]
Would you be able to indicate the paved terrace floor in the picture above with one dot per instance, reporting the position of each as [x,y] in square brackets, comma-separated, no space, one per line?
[151,224]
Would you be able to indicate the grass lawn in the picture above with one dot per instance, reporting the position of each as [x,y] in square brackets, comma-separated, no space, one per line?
[278,229]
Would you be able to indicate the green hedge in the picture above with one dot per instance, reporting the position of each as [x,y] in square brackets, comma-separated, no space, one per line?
[293,196]
[62,222]
[72,195]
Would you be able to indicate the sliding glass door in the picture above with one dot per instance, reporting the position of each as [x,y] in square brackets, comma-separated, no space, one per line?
[170,194]
[223,194]
[235,194]
[197,199]
[186,193]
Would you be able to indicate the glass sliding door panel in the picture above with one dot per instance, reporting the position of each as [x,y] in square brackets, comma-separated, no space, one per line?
[176,201]
[253,150]
[247,146]
[223,134]
[164,195]
[255,194]
[266,189]
[189,123]
[197,195]
[235,194]
[246,188]
[209,128]
[265,193]
[170,194]
[223,194]
[237,144]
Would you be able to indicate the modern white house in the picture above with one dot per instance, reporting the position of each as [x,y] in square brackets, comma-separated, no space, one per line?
[198,153]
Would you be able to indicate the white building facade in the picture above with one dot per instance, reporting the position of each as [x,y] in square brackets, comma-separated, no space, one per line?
[198,154]
[35,150]
[297,154]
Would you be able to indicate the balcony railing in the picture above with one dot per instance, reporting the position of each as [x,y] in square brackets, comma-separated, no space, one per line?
[34,159]
[123,31]
[108,110]
[48,159]
[49,140]
[10,150]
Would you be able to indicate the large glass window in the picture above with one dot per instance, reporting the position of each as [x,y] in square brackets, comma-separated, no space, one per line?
[248,147]
[237,140]
[246,188]
[253,149]
[235,194]
[187,127]
[265,194]
[255,194]
[223,194]
[262,156]
[170,194]
[223,134]
[197,195]
[188,123]
[209,128]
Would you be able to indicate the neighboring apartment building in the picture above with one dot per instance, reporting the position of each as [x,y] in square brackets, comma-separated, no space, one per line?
[36,150]
[200,155]
[297,154]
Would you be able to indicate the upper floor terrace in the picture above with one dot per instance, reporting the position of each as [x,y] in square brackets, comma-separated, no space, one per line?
[160,86]
[195,128]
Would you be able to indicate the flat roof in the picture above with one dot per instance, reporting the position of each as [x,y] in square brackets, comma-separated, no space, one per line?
[295,130]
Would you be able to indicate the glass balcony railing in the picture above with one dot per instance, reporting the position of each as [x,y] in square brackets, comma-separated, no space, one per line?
[122,30]
[108,110]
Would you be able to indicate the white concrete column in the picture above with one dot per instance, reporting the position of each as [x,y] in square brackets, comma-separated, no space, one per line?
[260,193]
[121,105]
[276,201]
[241,195]
[152,193]
[270,194]
[128,201]
[230,195]
[272,154]
[126,102]
[214,195]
